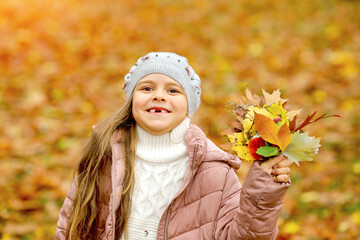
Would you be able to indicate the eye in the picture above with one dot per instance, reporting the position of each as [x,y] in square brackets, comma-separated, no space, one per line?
[147,89]
[174,91]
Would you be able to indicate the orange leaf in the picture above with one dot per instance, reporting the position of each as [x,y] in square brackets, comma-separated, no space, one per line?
[266,128]
[284,137]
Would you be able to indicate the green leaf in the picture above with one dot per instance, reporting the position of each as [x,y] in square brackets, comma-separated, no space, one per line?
[302,147]
[268,151]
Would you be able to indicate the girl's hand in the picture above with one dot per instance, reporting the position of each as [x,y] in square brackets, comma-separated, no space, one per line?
[279,167]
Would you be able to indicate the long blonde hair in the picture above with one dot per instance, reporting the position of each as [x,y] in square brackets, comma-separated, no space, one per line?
[83,220]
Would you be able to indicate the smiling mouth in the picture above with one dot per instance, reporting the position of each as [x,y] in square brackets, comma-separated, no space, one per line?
[158,110]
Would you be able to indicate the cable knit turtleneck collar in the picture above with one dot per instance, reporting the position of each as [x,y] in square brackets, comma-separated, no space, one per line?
[164,148]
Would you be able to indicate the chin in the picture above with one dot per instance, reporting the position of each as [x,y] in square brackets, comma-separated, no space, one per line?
[158,130]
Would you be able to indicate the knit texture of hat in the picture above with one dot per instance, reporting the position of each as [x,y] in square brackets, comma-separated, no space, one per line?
[172,65]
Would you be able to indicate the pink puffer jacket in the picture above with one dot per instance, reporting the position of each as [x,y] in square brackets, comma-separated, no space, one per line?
[211,203]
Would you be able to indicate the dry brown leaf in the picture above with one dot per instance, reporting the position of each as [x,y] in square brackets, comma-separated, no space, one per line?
[291,114]
[274,97]
[253,99]
[240,112]
[292,124]
[308,121]
[228,131]
[237,125]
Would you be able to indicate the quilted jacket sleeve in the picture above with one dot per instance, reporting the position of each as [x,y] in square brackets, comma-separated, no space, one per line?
[65,213]
[261,199]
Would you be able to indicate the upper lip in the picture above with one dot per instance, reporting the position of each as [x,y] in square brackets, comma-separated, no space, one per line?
[158,108]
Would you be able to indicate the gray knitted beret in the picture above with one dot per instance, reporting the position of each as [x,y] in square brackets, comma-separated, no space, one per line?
[172,65]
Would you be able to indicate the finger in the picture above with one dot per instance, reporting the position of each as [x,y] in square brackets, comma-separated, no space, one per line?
[284,163]
[282,178]
[279,171]
[272,161]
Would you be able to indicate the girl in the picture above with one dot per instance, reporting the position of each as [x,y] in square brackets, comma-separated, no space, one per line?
[146,173]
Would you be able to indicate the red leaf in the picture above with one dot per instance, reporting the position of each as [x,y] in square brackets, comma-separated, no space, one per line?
[305,122]
[254,144]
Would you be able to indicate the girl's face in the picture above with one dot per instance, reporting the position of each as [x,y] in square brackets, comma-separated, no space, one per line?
[159,104]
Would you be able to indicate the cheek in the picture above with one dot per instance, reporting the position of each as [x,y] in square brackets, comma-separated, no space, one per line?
[137,104]
[138,100]
[182,107]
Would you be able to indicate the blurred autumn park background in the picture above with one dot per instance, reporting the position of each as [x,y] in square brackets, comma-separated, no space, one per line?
[62,64]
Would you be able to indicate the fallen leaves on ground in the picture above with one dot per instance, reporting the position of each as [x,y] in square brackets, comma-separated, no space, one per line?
[61,71]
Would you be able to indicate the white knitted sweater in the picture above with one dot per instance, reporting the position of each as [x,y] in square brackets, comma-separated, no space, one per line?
[160,167]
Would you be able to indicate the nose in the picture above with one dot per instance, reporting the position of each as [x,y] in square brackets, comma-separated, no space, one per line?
[157,98]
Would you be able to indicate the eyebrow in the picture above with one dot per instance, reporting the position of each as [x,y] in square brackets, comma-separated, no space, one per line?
[150,81]
[146,81]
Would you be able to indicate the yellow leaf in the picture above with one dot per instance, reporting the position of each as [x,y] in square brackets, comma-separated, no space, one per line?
[266,128]
[248,122]
[276,110]
[349,70]
[291,228]
[239,146]
[343,226]
[356,168]
[6,236]
[356,217]
[319,96]
[332,31]
[341,58]
[255,49]
[264,112]
[284,137]
[236,138]
[243,153]
[308,197]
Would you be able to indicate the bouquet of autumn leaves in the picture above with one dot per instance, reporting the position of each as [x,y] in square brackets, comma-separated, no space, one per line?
[263,128]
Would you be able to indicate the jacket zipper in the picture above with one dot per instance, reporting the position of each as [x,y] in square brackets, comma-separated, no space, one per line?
[193,162]
[170,207]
